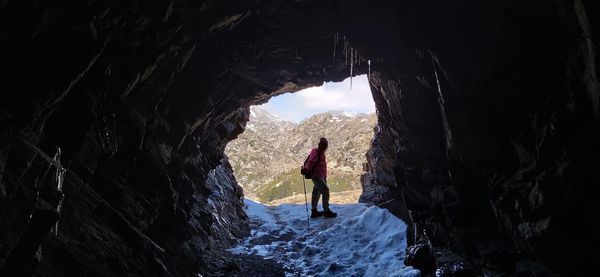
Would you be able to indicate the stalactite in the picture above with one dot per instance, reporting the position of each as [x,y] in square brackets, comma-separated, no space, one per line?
[351,65]
[335,40]
[345,51]
[445,124]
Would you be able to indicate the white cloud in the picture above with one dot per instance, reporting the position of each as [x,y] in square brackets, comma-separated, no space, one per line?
[329,96]
[339,96]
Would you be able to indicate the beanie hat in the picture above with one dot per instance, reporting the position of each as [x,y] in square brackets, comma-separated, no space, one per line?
[323,143]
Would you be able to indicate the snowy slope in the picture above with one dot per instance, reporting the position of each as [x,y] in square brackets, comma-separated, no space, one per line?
[361,241]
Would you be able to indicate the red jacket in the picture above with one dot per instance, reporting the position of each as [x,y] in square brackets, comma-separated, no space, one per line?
[320,169]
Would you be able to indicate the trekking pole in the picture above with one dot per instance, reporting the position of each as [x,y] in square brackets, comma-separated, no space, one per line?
[306,202]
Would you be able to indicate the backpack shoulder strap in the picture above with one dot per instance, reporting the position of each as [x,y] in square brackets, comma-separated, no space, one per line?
[318,159]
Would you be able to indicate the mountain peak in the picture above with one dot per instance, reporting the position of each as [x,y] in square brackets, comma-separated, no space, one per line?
[262,120]
[337,116]
[265,158]
[345,113]
[258,113]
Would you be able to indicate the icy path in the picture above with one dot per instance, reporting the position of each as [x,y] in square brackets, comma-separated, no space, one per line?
[361,241]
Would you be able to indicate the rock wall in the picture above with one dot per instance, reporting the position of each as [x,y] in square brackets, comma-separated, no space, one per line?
[114,117]
[491,147]
[98,174]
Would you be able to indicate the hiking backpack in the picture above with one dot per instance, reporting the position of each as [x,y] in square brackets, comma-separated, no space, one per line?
[307,173]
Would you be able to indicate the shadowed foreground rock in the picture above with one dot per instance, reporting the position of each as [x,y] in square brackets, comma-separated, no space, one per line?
[114,117]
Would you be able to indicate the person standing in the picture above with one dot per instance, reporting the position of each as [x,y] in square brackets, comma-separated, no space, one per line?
[317,166]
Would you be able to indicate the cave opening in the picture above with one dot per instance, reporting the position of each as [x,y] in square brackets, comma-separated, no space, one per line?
[280,134]
[286,223]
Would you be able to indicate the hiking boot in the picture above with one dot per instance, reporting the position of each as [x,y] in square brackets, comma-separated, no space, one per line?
[329,213]
[315,213]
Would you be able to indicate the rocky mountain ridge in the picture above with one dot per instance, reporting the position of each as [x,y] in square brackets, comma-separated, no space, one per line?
[266,157]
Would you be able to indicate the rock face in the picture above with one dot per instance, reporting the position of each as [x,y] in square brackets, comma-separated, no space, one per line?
[267,156]
[262,151]
[494,164]
[113,116]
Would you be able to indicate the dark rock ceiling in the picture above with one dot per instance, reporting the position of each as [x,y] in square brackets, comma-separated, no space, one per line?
[487,139]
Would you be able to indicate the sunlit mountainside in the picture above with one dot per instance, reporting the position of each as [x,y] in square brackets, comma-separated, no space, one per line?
[267,157]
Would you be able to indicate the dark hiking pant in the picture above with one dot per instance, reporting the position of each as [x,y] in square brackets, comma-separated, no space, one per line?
[320,188]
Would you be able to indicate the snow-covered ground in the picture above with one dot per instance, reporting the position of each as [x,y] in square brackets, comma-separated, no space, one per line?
[361,241]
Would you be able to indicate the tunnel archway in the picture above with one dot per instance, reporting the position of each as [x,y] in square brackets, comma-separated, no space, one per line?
[131,104]
[280,133]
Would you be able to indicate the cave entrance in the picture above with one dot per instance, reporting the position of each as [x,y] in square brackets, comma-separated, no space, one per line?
[281,133]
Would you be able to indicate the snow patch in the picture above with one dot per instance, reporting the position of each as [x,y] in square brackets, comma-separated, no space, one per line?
[361,241]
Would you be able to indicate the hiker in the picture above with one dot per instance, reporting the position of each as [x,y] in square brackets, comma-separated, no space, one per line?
[317,166]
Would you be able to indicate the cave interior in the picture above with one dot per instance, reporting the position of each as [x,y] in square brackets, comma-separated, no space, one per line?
[114,117]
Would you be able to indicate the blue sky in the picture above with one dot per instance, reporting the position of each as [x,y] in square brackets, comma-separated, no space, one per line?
[330,96]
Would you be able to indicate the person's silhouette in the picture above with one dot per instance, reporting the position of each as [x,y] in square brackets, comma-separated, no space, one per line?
[317,165]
